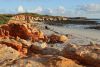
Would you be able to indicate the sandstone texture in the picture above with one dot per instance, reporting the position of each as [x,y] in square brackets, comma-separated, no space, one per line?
[23,44]
[47,61]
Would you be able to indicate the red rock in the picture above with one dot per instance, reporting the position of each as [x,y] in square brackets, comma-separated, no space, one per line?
[54,38]
[58,38]
[17,30]
[25,51]
[14,45]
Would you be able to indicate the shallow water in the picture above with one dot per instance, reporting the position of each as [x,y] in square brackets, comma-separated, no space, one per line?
[80,26]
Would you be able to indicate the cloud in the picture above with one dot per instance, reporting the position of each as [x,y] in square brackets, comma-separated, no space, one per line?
[48,11]
[90,8]
[41,10]
[21,9]
[61,10]
[38,10]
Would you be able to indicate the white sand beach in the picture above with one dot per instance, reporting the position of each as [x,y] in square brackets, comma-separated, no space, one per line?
[79,35]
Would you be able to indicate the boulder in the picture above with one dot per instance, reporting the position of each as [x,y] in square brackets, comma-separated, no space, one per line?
[15,30]
[12,43]
[7,55]
[38,46]
[17,45]
[84,54]
[54,38]
[63,38]
[58,38]
[22,30]
[48,61]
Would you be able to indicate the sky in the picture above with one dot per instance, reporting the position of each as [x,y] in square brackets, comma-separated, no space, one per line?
[68,8]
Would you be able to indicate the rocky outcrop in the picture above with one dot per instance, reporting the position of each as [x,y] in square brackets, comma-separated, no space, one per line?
[47,61]
[20,30]
[16,45]
[32,19]
[22,41]
[23,37]
[24,31]
[7,55]
[27,32]
[86,55]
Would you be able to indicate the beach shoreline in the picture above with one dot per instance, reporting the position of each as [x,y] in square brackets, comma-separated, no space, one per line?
[78,34]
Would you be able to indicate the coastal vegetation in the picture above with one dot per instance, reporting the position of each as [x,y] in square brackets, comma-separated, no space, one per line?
[48,19]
